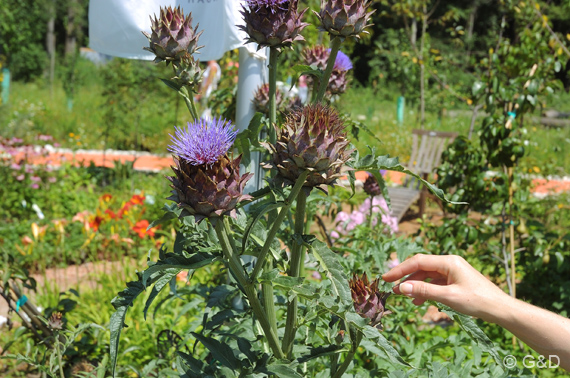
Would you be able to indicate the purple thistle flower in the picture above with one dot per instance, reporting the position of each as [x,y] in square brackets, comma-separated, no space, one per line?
[342,62]
[203,141]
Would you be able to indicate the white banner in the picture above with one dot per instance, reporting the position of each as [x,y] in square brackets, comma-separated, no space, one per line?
[115,26]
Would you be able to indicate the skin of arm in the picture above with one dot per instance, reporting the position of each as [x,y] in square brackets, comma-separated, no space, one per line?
[455,283]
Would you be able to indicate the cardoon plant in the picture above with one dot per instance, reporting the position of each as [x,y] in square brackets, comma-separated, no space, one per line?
[173,40]
[207,183]
[269,320]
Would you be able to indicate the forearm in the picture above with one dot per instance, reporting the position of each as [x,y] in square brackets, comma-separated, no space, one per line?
[545,332]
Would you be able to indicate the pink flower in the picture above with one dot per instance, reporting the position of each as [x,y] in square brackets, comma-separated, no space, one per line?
[52,179]
[34,186]
[20,177]
[15,166]
[35,179]
[393,263]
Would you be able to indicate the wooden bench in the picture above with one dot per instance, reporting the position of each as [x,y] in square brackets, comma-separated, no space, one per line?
[427,147]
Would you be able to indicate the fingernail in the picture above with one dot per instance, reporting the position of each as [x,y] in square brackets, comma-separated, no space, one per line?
[406,289]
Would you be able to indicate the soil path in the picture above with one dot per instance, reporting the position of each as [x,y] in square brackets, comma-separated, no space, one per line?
[145,161]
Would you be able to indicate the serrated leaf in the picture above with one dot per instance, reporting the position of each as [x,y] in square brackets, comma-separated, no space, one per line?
[283,371]
[121,303]
[374,336]
[330,266]
[468,325]
[171,84]
[170,212]
[221,352]
[371,163]
[160,284]
[172,260]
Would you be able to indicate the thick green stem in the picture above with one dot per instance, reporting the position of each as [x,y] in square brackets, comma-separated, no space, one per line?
[349,356]
[249,288]
[269,300]
[273,54]
[59,359]
[297,257]
[277,223]
[190,104]
[335,46]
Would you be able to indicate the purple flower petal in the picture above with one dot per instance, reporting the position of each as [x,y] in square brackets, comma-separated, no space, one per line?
[203,141]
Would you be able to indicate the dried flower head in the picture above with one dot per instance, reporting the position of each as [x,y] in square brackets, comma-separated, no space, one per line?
[313,138]
[172,35]
[371,186]
[273,23]
[369,302]
[261,99]
[206,182]
[55,321]
[344,18]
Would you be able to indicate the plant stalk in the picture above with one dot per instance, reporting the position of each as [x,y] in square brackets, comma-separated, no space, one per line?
[357,338]
[335,46]
[297,257]
[59,359]
[249,288]
[273,55]
[190,105]
[277,223]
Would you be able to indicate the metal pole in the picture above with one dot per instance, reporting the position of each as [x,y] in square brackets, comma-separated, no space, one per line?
[252,73]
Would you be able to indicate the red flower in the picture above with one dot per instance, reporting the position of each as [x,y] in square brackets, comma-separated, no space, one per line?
[95,222]
[110,214]
[140,228]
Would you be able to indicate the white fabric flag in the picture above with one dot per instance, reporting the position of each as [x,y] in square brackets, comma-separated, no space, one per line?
[115,26]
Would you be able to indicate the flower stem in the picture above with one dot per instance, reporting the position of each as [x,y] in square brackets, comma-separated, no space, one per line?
[277,224]
[249,288]
[268,299]
[335,46]
[297,257]
[356,339]
[59,358]
[188,99]
[273,55]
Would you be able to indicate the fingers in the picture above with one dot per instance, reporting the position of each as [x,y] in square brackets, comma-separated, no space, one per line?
[428,263]
[422,291]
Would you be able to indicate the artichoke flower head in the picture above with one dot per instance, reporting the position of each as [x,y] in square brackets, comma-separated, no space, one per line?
[172,35]
[313,138]
[261,99]
[369,302]
[371,186]
[206,181]
[272,23]
[344,18]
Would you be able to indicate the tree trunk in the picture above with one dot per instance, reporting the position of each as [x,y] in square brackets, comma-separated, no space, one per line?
[70,28]
[471,25]
[422,70]
[50,40]
[414,31]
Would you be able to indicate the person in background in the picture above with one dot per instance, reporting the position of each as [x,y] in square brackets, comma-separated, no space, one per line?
[210,79]
[452,281]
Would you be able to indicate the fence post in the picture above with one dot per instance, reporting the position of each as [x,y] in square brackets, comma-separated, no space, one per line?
[400,112]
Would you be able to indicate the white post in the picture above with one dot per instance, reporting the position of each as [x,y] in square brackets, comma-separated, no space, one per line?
[252,73]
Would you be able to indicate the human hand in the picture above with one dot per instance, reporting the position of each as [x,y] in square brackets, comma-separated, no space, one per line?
[449,280]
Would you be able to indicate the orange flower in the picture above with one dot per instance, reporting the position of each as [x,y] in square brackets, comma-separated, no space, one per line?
[123,210]
[95,222]
[110,214]
[105,197]
[140,228]
[137,199]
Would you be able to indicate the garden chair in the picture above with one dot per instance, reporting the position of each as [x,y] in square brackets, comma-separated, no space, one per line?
[427,147]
